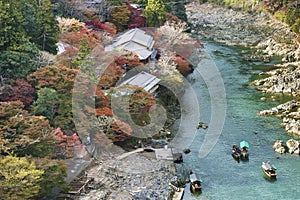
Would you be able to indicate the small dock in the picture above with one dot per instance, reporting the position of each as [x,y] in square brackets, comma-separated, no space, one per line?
[178,195]
[178,192]
[76,187]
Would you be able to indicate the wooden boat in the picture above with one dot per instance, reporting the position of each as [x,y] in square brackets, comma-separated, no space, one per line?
[236,152]
[195,185]
[269,170]
[202,125]
[244,146]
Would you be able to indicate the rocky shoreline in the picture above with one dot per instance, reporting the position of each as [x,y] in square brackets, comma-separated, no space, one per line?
[256,30]
[122,175]
[268,37]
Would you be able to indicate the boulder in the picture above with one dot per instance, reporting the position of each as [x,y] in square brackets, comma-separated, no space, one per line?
[278,143]
[293,146]
[278,148]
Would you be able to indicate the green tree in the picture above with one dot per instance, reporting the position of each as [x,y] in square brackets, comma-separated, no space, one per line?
[54,177]
[18,60]
[64,118]
[178,9]
[17,53]
[19,178]
[46,26]
[83,53]
[11,23]
[120,16]
[155,12]
[46,103]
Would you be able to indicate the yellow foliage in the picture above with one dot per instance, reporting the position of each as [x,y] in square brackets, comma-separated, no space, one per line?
[19,178]
[69,25]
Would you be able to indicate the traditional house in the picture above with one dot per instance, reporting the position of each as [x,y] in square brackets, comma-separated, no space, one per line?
[136,41]
[144,80]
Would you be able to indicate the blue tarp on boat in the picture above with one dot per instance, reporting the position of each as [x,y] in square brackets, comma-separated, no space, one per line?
[244,144]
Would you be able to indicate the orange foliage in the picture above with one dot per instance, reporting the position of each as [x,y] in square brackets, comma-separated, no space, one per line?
[101,100]
[183,65]
[58,77]
[119,131]
[103,112]
[130,59]
[91,36]
[111,76]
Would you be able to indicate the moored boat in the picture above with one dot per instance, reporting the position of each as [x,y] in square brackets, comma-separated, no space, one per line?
[195,185]
[269,170]
[236,152]
[244,146]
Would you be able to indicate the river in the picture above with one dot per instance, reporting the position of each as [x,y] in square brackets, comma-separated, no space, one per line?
[222,176]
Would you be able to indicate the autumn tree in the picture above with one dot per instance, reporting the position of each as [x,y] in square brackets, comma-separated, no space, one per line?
[114,130]
[134,102]
[58,77]
[111,76]
[136,18]
[19,178]
[61,79]
[99,26]
[182,65]
[84,39]
[131,60]
[101,100]
[21,90]
[65,146]
[69,25]
[24,134]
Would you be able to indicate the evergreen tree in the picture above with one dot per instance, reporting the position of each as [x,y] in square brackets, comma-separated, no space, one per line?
[46,103]
[11,24]
[178,9]
[44,24]
[18,59]
[155,12]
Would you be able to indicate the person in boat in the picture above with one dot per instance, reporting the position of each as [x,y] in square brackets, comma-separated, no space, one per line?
[236,149]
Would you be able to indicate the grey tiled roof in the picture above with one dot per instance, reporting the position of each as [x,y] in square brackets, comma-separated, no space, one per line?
[134,40]
[143,80]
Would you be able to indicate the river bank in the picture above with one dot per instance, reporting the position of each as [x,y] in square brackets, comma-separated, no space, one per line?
[267,37]
[126,175]
[256,30]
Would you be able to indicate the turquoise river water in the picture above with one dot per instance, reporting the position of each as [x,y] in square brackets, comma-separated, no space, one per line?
[223,177]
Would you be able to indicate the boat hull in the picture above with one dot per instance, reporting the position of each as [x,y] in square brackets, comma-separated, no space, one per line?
[236,156]
[269,175]
[195,188]
[244,155]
